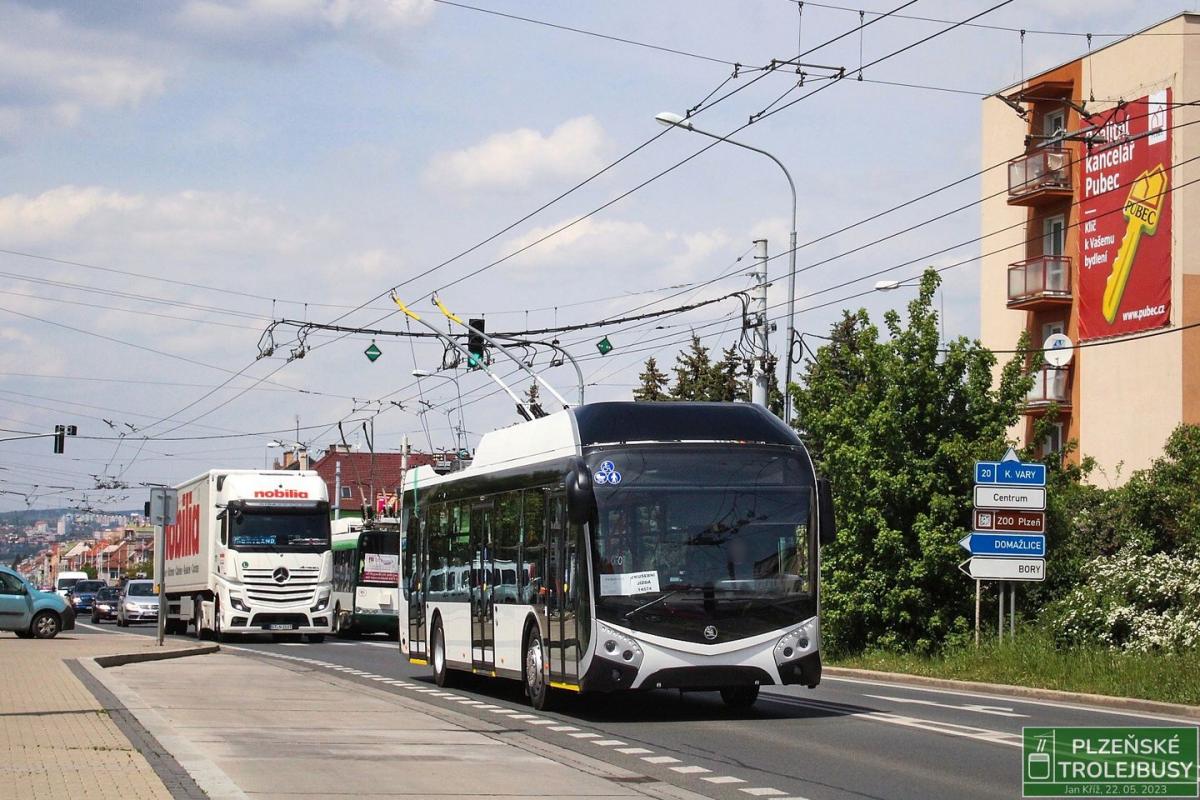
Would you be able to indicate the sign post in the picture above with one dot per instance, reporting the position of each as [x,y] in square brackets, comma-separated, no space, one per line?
[161,510]
[1007,541]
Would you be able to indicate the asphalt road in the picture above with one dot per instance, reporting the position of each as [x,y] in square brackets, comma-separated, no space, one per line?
[845,739]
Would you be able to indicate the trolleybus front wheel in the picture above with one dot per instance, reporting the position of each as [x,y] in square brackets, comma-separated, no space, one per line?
[437,655]
[535,673]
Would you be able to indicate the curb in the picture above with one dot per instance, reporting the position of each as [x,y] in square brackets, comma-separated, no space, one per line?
[1006,690]
[154,655]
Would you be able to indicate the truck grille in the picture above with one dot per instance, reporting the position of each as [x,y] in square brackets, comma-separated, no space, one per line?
[299,587]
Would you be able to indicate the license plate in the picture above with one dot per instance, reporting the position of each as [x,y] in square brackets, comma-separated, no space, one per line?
[280,626]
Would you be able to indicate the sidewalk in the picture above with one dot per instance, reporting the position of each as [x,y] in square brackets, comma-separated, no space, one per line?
[56,739]
[245,726]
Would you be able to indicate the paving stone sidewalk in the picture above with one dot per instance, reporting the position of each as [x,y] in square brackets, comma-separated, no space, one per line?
[56,738]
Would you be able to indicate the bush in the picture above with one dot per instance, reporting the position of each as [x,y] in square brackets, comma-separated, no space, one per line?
[1136,601]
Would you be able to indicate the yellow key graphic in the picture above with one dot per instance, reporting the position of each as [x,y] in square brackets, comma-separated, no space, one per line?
[1141,211]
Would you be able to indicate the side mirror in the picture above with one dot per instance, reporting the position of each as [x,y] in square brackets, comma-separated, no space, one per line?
[581,497]
[826,527]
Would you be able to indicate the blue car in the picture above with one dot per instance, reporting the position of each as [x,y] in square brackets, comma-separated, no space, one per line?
[30,613]
[82,596]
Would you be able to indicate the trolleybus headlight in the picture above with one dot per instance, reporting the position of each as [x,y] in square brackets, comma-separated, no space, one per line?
[796,642]
[616,642]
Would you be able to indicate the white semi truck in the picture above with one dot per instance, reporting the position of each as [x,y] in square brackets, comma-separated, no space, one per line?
[250,553]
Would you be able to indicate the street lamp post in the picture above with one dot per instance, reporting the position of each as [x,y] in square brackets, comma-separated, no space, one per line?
[673,120]
[462,426]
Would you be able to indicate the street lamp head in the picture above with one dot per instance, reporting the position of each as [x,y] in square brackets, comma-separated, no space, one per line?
[274,443]
[886,286]
[422,373]
[673,120]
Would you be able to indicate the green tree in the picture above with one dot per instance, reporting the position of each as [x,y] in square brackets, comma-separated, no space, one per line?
[896,425]
[653,383]
[694,373]
[728,382]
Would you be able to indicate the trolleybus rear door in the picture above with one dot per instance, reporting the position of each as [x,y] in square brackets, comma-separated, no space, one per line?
[415,582]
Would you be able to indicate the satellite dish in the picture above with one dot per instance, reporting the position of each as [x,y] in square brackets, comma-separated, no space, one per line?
[1058,350]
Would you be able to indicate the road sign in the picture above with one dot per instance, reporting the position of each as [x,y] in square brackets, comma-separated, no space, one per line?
[1025,497]
[1029,545]
[991,519]
[1009,470]
[163,503]
[372,352]
[604,346]
[1004,569]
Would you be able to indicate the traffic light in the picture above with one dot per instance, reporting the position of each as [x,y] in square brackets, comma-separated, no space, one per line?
[60,434]
[475,343]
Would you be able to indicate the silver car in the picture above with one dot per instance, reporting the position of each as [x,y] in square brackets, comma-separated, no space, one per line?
[138,603]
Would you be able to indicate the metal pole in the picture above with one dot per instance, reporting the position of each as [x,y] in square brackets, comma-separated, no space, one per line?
[160,568]
[337,490]
[791,306]
[977,613]
[761,380]
[1000,618]
[1012,613]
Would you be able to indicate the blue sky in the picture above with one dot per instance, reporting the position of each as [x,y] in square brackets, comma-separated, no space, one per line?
[318,152]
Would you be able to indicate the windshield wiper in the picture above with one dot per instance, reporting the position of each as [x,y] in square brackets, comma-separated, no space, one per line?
[658,600]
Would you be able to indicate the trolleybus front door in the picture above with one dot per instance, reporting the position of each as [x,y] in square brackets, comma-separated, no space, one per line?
[483,620]
[563,641]
[415,582]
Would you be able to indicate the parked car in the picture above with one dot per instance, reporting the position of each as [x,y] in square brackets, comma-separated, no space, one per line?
[83,594]
[138,603]
[105,605]
[30,613]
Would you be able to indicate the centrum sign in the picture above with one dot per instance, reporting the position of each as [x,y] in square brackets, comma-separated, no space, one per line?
[1117,762]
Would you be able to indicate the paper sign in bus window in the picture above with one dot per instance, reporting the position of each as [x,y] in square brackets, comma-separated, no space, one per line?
[626,583]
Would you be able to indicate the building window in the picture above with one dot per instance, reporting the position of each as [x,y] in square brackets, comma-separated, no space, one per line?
[346,493]
[1053,441]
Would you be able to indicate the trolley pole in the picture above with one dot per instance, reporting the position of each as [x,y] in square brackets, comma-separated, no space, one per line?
[761,377]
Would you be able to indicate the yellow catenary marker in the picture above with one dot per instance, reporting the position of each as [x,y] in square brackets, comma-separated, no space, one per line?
[1141,212]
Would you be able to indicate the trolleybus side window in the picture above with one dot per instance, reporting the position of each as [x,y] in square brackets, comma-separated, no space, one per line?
[507,533]
[533,522]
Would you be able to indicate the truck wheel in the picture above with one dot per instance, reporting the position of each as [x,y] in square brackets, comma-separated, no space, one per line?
[197,619]
[739,696]
[437,655]
[45,625]
[218,636]
[535,673]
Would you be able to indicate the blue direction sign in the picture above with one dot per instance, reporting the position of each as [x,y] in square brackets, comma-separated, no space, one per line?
[1004,544]
[1010,471]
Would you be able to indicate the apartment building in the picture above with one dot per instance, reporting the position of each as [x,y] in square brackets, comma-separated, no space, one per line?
[1085,214]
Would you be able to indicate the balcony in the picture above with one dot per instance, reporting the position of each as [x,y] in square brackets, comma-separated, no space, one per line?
[1042,282]
[1040,177]
[1051,386]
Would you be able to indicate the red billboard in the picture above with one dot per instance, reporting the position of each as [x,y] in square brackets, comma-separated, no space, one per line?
[1125,221]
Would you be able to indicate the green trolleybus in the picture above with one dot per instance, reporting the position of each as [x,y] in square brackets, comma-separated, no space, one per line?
[366,576]
[621,546]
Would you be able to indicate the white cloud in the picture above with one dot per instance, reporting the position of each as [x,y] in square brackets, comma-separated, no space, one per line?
[520,158]
[52,72]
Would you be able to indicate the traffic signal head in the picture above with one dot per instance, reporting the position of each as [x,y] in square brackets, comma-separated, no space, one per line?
[60,433]
[475,343]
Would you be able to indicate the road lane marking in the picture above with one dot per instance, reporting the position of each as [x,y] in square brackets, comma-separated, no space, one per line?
[563,728]
[946,728]
[723,779]
[609,742]
[1014,699]
[540,721]
[633,751]
[658,759]
[584,735]
[689,770]
[762,792]
[999,711]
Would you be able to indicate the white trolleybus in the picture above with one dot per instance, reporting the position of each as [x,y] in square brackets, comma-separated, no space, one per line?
[366,577]
[621,546]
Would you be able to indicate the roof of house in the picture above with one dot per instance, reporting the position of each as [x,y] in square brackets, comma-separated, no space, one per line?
[365,474]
